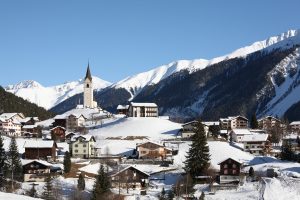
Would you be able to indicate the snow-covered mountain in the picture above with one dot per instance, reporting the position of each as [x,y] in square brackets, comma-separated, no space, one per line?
[134,84]
[48,97]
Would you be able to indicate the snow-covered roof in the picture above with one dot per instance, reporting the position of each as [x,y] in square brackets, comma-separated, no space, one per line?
[58,127]
[255,138]
[269,117]
[26,162]
[231,159]
[150,142]
[211,123]
[143,104]
[122,107]
[295,123]
[241,131]
[29,126]
[86,137]
[191,122]
[10,115]
[39,144]
[27,119]
[290,137]
[129,168]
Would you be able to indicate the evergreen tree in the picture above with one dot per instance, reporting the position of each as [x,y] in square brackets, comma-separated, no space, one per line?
[67,162]
[251,172]
[162,194]
[202,197]
[253,122]
[171,194]
[198,156]
[101,185]
[32,191]
[48,189]
[81,182]
[2,163]
[14,168]
[286,152]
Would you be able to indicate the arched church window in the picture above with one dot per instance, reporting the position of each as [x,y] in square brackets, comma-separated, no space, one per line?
[87,85]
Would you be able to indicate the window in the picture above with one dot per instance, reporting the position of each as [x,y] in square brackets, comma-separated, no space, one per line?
[233,171]
[225,166]
[84,145]
[87,85]
[76,151]
[76,145]
[84,151]
[234,166]
[225,171]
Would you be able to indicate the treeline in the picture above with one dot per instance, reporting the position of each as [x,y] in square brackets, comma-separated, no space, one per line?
[11,103]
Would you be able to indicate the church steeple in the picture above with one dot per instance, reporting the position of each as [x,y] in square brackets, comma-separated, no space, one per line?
[88,73]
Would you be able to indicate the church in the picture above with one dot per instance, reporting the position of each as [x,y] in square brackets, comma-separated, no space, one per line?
[88,95]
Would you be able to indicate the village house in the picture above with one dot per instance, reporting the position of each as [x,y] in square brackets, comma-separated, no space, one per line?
[268,122]
[188,129]
[230,170]
[58,134]
[40,149]
[292,140]
[82,146]
[30,130]
[143,110]
[35,170]
[122,109]
[75,121]
[10,127]
[29,121]
[60,120]
[257,144]
[238,134]
[152,150]
[295,126]
[234,122]
[130,178]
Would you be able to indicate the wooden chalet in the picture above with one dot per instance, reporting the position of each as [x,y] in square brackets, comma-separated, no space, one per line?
[58,134]
[230,170]
[35,170]
[152,150]
[40,149]
[130,178]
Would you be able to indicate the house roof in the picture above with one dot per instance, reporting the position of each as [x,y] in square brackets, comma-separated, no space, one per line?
[143,104]
[295,123]
[255,138]
[211,123]
[45,163]
[241,131]
[122,107]
[10,115]
[58,127]
[27,119]
[231,159]
[85,137]
[129,168]
[269,117]
[290,137]
[150,142]
[29,126]
[39,144]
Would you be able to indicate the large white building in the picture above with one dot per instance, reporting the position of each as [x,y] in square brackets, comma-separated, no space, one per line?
[88,96]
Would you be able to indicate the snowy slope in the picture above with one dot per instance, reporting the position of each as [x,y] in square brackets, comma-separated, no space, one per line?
[15,196]
[48,97]
[286,92]
[136,83]
[154,128]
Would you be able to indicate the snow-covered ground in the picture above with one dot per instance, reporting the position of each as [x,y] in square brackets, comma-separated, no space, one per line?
[7,196]
[154,128]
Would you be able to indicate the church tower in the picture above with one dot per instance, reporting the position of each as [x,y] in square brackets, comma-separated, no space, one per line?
[88,96]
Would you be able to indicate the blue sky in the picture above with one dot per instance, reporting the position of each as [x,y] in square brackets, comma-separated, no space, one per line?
[52,41]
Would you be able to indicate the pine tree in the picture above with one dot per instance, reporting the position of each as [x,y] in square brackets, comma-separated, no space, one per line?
[253,122]
[286,152]
[198,156]
[162,194]
[14,168]
[48,189]
[32,191]
[81,182]
[101,185]
[251,172]
[202,197]
[67,162]
[2,163]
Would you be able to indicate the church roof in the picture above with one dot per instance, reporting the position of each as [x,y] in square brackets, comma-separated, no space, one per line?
[88,73]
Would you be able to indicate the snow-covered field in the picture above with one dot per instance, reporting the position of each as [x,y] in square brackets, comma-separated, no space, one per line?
[7,196]
[154,128]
